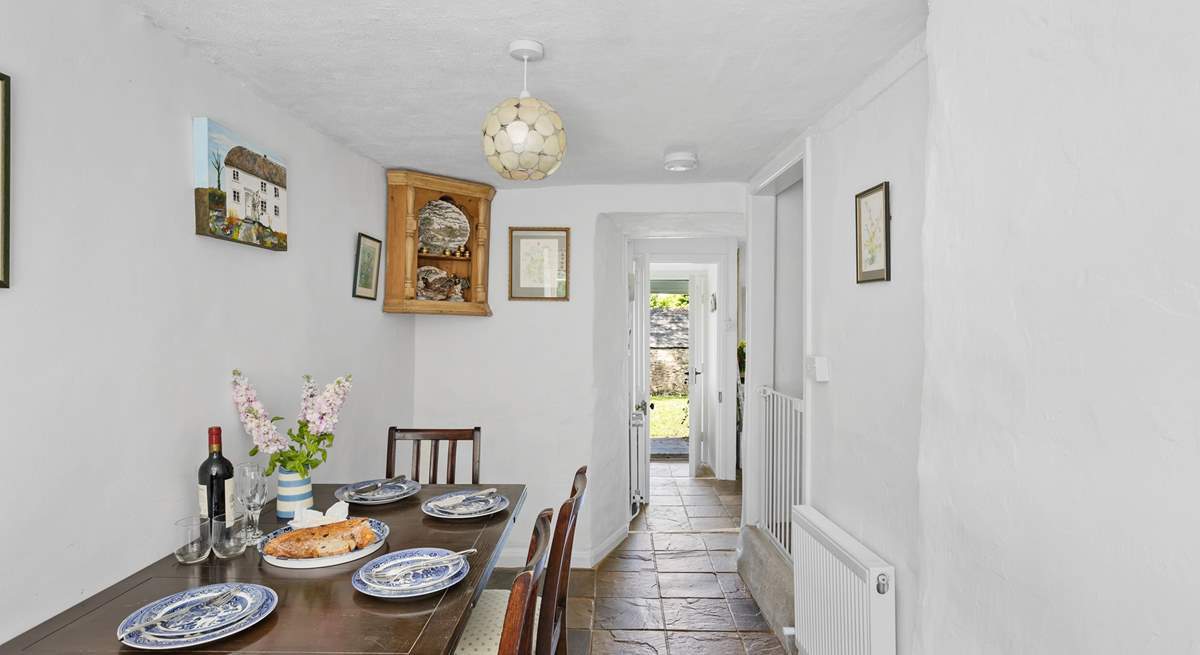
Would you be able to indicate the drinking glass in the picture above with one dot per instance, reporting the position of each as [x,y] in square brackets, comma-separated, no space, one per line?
[227,540]
[251,482]
[196,537]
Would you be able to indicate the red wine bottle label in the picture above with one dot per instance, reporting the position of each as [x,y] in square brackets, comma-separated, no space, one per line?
[230,504]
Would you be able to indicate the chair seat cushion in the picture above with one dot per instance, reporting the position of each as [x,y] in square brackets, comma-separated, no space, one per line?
[482,634]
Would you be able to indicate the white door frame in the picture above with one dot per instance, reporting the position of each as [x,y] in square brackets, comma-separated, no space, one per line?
[637,355]
[723,253]
[697,289]
[789,167]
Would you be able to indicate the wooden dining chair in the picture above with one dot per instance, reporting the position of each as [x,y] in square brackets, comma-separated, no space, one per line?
[434,437]
[552,616]
[502,622]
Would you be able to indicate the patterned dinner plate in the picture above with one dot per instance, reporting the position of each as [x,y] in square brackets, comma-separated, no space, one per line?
[380,529]
[251,604]
[471,510]
[388,493]
[421,583]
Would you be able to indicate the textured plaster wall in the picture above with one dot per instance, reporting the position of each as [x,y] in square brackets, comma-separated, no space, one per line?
[866,419]
[121,328]
[544,379]
[1060,444]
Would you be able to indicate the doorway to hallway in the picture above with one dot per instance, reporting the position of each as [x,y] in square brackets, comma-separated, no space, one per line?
[670,364]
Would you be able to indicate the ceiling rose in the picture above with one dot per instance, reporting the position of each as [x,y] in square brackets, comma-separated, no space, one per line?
[523,137]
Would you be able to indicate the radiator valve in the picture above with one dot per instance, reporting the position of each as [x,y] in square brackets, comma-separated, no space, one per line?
[881,583]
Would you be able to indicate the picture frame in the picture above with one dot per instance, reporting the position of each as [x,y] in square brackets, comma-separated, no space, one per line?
[5,180]
[240,188]
[873,234]
[368,252]
[539,263]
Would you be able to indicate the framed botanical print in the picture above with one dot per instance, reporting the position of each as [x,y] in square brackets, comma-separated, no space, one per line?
[873,241]
[366,267]
[539,261]
[5,163]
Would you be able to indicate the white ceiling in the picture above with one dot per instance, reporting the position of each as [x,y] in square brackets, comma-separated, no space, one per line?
[408,83]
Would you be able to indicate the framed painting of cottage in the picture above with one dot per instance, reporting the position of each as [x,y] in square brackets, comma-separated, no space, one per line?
[240,188]
[539,261]
[366,267]
[5,163]
[873,239]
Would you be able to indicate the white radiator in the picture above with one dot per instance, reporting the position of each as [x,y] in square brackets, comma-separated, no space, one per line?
[845,594]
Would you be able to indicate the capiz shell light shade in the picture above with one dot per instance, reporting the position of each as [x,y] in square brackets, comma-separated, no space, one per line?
[523,139]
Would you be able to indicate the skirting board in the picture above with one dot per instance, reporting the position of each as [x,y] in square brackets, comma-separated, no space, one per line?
[513,555]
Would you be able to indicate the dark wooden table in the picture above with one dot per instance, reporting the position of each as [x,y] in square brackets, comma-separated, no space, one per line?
[319,611]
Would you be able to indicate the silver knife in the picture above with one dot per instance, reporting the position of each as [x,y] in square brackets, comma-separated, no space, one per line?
[219,599]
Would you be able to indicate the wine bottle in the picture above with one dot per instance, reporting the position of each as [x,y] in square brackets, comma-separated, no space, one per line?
[216,480]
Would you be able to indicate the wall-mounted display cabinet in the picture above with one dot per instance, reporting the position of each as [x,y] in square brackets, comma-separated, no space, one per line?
[437,245]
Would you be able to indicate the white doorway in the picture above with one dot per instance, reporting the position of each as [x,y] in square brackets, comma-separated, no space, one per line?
[681,413]
[707,266]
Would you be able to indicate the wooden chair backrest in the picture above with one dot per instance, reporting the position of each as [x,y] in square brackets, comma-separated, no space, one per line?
[434,437]
[552,620]
[516,637]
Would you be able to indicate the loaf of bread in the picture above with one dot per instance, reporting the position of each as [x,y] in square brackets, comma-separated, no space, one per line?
[322,541]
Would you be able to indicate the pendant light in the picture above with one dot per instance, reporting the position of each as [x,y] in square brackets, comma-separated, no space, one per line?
[523,137]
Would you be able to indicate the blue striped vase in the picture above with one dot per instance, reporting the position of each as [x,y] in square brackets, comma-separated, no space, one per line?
[295,493]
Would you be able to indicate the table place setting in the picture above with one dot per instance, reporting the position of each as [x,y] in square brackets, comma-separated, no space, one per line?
[197,616]
[468,504]
[378,492]
[412,573]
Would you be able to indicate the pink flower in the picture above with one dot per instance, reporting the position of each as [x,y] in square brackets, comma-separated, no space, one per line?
[320,411]
[254,416]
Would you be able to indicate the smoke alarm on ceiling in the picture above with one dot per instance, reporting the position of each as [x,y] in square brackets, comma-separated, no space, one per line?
[678,161]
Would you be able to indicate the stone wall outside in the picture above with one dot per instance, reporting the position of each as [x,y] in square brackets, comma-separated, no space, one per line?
[668,371]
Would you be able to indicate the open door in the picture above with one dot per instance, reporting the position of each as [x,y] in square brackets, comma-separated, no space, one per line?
[697,428]
[638,357]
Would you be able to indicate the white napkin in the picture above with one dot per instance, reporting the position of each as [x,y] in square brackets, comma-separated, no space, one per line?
[311,518]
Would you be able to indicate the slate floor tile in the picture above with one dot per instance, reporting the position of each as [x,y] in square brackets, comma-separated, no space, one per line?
[628,642]
[628,614]
[697,614]
[689,585]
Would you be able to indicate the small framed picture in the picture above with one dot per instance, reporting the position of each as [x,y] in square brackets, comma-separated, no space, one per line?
[539,263]
[873,240]
[366,267]
[5,83]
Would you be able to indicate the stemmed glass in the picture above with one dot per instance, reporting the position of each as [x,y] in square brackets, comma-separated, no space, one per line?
[251,482]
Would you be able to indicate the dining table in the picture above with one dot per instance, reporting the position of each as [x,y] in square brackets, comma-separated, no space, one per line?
[318,611]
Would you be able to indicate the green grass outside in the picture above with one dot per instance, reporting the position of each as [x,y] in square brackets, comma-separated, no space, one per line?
[669,418]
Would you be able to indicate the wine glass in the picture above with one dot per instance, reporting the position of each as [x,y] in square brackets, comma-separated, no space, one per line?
[251,483]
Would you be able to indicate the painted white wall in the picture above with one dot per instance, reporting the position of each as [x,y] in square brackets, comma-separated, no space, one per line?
[122,326]
[789,296]
[539,377]
[864,424]
[1060,444]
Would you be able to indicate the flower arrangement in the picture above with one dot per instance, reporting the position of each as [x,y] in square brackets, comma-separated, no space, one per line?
[306,446]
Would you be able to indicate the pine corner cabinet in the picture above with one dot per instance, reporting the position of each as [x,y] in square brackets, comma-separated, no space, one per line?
[437,245]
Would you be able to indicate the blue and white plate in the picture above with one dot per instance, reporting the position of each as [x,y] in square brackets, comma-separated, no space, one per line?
[421,583]
[251,604]
[380,529]
[472,510]
[388,493]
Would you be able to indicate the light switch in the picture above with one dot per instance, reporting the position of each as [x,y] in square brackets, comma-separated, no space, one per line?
[819,367]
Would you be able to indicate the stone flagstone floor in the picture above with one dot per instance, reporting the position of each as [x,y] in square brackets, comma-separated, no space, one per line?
[672,587]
